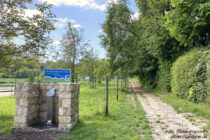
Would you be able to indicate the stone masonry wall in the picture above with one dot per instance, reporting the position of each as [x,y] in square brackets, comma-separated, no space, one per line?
[31,104]
[27,105]
[68,105]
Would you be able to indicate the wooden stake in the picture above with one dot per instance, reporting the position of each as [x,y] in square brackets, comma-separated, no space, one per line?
[117,89]
[121,85]
[107,93]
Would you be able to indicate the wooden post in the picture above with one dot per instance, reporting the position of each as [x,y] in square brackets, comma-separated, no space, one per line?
[117,89]
[107,93]
[121,85]
[95,82]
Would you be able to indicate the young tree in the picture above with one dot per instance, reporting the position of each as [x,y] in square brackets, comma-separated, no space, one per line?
[89,65]
[73,47]
[118,38]
[102,70]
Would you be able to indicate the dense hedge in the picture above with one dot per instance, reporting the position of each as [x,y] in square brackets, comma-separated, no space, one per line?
[189,75]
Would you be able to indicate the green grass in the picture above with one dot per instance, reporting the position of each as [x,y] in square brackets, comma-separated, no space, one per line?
[7,111]
[12,80]
[122,123]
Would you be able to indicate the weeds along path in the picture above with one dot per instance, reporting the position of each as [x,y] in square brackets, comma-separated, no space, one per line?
[165,122]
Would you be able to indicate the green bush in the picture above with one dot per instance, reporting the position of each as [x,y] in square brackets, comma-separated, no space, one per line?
[189,75]
[164,76]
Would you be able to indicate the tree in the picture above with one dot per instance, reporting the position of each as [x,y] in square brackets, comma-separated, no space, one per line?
[89,64]
[33,31]
[102,70]
[188,22]
[118,38]
[73,47]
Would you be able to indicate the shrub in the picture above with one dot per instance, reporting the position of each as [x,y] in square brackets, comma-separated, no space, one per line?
[189,75]
[164,76]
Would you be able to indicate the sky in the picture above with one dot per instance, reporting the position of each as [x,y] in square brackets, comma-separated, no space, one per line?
[86,14]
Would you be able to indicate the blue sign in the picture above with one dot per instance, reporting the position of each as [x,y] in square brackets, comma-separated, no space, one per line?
[53,75]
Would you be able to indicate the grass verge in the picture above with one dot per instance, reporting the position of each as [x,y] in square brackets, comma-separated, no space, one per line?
[122,123]
[7,111]
[12,80]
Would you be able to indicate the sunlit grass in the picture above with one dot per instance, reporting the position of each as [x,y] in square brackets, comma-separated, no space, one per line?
[7,111]
[12,80]
[122,123]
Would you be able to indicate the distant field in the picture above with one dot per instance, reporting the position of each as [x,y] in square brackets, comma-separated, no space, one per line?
[12,80]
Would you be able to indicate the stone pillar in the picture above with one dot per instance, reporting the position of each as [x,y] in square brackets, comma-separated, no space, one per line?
[27,106]
[68,105]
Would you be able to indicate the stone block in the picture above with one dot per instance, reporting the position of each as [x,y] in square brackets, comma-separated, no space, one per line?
[18,110]
[64,119]
[65,95]
[20,119]
[65,125]
[61,111]
[24,102]
[69,88]
[66,102]
[43,86]
[57,87]
[62,87]
[21,125]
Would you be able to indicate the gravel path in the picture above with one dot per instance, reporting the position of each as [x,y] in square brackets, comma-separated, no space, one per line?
[165,122]
[6,91]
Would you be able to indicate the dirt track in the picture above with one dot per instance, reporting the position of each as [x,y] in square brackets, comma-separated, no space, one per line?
[165,122]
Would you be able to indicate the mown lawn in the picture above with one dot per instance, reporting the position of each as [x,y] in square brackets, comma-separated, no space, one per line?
[122,123]
[7,111]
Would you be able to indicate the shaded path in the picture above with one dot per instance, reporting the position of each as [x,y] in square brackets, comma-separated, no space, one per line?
[165,122]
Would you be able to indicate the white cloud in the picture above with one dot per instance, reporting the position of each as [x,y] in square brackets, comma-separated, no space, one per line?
[112,1]
[61,22]
[81,3]
[135,16]
[77,26]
